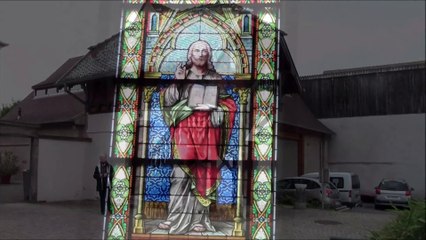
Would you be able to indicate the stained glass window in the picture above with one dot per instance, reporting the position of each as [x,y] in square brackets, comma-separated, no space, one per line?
[191,154]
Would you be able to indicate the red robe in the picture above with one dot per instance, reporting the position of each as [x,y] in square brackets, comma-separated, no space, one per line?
[195,138]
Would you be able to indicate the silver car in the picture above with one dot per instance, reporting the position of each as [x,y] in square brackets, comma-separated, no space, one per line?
[392,192]
[286,191]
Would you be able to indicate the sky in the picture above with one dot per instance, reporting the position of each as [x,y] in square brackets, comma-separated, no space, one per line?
[322,35]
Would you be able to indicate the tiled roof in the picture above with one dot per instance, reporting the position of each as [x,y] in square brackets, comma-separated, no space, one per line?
[368,70]
[61,108]
[100,62]
[51,81]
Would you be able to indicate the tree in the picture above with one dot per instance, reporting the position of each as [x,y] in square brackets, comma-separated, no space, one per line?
[5,108]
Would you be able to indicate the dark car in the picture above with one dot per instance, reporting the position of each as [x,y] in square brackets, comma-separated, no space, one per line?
[392,192]
[286,191]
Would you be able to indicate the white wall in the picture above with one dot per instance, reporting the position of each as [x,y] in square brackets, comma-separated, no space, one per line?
[65,168]
[287,158]
[312,153]
[60,175]
[99,130]
[377,147]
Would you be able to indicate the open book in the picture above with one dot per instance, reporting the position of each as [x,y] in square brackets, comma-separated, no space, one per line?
[200,94]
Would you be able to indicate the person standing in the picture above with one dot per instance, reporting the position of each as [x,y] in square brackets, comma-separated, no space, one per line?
[200,134]
[103,174]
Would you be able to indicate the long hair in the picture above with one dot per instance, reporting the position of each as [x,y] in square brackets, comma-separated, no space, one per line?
[210,65]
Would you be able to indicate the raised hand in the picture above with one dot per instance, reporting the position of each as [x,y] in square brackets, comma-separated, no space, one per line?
[180,71]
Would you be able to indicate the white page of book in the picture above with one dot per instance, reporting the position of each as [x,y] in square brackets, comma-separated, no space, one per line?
[196,95]
[210,96]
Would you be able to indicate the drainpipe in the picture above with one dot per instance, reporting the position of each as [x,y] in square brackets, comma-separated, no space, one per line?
[33,169]
[321,172]
[324,171]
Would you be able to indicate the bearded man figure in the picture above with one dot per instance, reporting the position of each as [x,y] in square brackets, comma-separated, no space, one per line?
[200,133]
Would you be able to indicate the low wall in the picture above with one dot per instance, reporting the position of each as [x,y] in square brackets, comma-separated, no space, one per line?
[59,175]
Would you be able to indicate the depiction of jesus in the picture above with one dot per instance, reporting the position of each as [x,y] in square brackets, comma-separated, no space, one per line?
[200,133]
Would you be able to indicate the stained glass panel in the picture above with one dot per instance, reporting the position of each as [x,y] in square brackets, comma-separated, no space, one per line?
[263,125]
[261,217]
[263,135]
[127,109]
[132,37]
[266,53]
[191,148]
[120,192]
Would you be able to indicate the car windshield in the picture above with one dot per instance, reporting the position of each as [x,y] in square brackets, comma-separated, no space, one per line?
[394,185]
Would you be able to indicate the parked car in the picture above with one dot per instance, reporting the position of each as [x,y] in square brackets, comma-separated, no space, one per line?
[348,184]
[286,190]
[392,192]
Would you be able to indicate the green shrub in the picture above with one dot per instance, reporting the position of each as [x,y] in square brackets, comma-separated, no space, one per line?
[409,224]
[5,108]
[8,164]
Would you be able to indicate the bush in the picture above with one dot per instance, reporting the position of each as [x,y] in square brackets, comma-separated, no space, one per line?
[409,224]
[8,164]
[5,108]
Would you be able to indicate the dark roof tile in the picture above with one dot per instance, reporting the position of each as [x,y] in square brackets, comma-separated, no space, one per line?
[51,81]
[100,62]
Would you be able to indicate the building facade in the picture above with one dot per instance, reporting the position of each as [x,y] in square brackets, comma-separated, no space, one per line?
[378,115]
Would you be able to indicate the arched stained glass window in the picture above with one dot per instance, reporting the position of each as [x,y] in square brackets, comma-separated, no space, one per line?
[198,123]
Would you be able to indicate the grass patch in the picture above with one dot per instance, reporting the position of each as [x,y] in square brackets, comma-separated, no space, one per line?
[408,225]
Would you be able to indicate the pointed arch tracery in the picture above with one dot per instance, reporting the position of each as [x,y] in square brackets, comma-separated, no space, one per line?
[211,18]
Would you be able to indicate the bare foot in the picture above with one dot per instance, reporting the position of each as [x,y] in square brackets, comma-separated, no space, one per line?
[164,225]
[199,228]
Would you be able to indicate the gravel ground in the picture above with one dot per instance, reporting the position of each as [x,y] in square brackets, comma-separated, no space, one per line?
[82,220]
[356,223]
[64,220]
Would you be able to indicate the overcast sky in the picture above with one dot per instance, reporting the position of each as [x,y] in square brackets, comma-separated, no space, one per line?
[321,36]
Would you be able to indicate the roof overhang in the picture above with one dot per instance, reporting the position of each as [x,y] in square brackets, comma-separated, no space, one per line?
[295,113]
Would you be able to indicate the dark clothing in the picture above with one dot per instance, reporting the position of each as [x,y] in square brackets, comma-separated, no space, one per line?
[102,195]
[101,174]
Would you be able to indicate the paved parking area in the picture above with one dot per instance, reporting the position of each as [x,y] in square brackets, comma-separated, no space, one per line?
[82,220]
[64,220]
[356,223]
